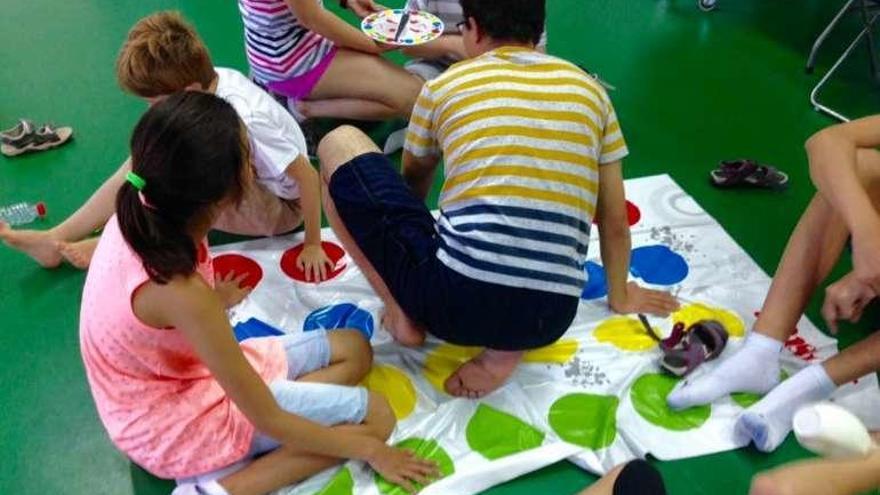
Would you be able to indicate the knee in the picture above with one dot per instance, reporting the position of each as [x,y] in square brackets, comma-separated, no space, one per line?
[342,145]
[356,353]
[381,415]
[767,484]
[868,167]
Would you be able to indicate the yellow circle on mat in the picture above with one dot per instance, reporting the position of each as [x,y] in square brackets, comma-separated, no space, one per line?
[395,386]
[443,361]
[692,313]
[624,333]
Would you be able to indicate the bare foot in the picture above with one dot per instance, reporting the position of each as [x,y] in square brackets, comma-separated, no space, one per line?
[482,374]
[79,254]
[405,331]
[38,244]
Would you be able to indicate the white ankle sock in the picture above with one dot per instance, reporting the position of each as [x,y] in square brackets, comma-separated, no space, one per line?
[753,368]
[769,421]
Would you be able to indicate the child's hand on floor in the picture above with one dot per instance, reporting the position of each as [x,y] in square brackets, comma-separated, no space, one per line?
[403,468]
[641,300]
[314,262]
[229,288]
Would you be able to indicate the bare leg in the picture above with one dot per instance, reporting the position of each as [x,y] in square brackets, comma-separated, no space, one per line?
[79,254]
[336,149]
[814,248]
[354,75]
[43,247]
[812,251]
[350,359]
[347,108]
[482,374]
[286,466]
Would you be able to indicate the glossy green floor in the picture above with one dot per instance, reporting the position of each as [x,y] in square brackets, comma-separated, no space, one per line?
[693,88]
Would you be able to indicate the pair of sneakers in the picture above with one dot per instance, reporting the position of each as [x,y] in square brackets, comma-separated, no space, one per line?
[26,137]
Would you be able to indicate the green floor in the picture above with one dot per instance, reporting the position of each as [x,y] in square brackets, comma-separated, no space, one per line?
[693,88]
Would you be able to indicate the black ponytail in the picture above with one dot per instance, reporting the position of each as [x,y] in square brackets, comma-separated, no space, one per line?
[190,151]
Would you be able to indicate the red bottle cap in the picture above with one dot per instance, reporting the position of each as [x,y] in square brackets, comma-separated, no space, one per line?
[41,209]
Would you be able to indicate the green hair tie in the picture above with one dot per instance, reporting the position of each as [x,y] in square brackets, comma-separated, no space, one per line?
[136,180]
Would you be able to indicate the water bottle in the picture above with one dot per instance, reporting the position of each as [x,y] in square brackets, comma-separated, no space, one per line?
[22,213]
[831,431]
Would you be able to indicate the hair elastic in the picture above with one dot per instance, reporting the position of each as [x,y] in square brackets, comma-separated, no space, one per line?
[135,180]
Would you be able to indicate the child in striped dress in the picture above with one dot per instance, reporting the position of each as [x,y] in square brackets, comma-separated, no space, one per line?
[324,66]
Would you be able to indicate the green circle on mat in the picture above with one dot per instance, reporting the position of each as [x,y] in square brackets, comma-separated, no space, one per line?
[341,484]
[496,434]
[426,449]
[649,400]
[585,419]
[747,400]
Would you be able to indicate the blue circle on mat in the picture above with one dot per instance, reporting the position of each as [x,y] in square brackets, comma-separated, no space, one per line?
[658,265]
[338,316]
[597,282]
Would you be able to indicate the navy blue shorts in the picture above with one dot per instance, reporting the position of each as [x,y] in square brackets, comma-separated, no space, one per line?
[397,234]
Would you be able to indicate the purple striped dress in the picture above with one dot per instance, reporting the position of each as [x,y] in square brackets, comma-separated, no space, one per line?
[278,47]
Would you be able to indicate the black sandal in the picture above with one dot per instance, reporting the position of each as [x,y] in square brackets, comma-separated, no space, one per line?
[748,173]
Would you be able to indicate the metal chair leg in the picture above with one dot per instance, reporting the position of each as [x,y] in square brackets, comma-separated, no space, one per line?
[814,52]
[814,95]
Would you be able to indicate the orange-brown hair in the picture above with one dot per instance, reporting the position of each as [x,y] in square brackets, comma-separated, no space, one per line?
[162,55]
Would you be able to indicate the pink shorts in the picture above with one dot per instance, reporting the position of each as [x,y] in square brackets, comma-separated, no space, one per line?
[300,87]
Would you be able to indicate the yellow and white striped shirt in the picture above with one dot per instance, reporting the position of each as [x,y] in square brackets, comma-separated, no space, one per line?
[523,135]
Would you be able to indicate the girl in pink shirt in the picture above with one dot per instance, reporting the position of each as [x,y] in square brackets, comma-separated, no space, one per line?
[175,391]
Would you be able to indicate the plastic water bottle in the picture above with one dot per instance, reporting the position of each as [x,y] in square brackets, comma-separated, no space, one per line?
[22,213]
[831,431]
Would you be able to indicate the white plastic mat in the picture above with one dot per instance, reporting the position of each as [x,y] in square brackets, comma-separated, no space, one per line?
[596,397]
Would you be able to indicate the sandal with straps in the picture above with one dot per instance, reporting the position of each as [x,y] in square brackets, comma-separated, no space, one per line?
[25,137]
[748,173]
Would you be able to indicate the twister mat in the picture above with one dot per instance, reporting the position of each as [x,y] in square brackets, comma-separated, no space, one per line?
[595,397]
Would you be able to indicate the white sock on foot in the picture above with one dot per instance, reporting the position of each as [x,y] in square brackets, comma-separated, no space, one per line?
[754,368]
[768,422]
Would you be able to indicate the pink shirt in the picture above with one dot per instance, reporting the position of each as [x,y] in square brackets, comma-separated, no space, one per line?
[158,401]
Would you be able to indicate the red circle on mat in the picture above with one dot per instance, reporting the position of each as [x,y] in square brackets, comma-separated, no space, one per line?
[633,214]
[239,265]
[288,261]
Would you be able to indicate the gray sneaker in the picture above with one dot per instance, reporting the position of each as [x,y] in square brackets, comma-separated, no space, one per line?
[23,127]
[29,139]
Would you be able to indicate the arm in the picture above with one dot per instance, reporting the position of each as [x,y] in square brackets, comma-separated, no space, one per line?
[363,8]
[448,45]
[615,244]
[834,168]
[821,476]
[313,261]
[418,172]
[189,305]
[95,212]
[315,18]
[833,157]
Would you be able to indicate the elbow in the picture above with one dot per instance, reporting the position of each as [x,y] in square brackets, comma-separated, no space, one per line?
[820,140]
[271,423]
